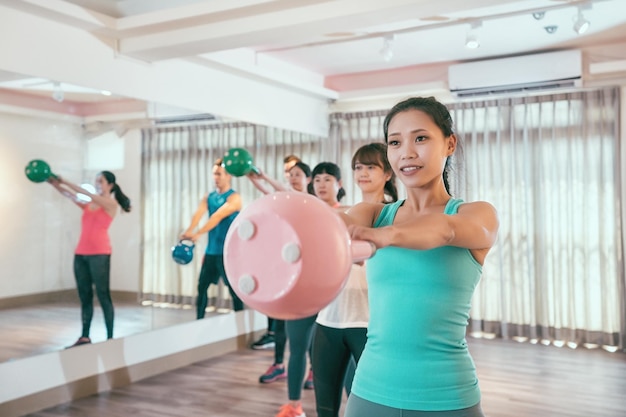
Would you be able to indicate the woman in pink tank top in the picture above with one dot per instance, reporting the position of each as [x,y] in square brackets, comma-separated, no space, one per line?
[92,257]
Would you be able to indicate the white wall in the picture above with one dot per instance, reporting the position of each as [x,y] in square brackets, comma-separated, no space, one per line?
[40,227]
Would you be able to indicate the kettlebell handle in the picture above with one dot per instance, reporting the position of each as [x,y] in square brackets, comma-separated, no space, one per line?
[361,250]
[190,244]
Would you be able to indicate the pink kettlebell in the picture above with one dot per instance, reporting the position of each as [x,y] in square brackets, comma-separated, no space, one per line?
[288,255]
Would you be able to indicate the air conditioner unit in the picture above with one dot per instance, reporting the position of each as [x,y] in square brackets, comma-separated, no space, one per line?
[527,73]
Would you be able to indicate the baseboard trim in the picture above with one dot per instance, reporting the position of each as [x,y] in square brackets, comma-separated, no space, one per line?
[69,295]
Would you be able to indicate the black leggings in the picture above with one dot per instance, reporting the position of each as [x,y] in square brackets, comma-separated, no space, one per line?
[299,334]
[212,270]
[280,340]
[93,271]
[333,350]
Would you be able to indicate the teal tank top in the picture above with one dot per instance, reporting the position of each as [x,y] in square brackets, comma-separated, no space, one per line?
[416,356]
[217,235]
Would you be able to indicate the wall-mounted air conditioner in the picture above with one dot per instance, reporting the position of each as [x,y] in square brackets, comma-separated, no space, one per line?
[529,73]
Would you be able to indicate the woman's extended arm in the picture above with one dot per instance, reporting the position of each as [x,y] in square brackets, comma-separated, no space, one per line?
[66,192]
[255,178]
[108,204]
[474,227]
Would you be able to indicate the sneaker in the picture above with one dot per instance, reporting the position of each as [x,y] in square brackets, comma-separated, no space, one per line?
[273,373]
[265,342]
[308,383]
[80,341]
[289,410]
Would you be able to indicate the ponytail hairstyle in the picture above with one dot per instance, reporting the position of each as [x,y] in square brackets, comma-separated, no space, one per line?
[119,195]
[376,154]
[437,111]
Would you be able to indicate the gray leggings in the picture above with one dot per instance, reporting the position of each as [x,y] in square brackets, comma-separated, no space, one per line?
[358,407]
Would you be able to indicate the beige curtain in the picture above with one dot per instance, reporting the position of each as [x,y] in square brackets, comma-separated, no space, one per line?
[550,164]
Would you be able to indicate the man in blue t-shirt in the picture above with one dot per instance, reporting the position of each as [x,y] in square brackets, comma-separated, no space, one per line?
[223,205]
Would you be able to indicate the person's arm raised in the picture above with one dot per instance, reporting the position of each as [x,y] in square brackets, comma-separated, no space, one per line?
[108,204]
[65,192]
[255,178]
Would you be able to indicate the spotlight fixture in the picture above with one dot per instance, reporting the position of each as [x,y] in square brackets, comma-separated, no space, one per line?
[551,29]
[539,15]
[57,93]
[581,25]
[387,49]
[471,39]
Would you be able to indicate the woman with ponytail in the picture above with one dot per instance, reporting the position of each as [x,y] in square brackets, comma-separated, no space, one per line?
[92,257]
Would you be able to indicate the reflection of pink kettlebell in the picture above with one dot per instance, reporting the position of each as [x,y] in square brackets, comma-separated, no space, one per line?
[288,254]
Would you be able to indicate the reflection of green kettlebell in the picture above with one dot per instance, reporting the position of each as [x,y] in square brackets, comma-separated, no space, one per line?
[238,162]
[38,170]
[182,253]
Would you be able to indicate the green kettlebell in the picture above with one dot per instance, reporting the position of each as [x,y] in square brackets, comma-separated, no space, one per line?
[238,162]
[38,170]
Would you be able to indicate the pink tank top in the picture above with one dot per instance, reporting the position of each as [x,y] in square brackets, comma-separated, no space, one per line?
[94,235]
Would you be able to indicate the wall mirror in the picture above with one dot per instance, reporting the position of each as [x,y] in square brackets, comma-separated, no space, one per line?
[79,132]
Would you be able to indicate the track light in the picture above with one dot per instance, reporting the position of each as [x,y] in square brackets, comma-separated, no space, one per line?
[387,49]
[581,25]
[471,39]
[57,93]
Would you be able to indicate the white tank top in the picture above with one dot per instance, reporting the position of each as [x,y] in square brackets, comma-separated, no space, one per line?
[350,308]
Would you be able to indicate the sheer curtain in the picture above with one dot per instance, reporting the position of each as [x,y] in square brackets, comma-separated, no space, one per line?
[550,165]
[177,173]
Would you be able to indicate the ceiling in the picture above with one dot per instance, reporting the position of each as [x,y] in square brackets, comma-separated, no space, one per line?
[336,45]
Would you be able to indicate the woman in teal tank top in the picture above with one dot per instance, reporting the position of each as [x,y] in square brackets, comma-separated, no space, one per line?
[430,251]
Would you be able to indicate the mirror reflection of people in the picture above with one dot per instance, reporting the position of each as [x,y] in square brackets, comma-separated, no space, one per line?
[92,257]
[430,252]
[222,205]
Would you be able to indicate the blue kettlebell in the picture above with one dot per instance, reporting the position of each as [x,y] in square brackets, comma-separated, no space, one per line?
[182,253]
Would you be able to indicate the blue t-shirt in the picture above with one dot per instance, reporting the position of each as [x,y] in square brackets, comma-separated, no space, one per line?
[416,356]
[217,235]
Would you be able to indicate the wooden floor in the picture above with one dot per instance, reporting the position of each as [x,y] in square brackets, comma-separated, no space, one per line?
[517,380]
[49,327]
